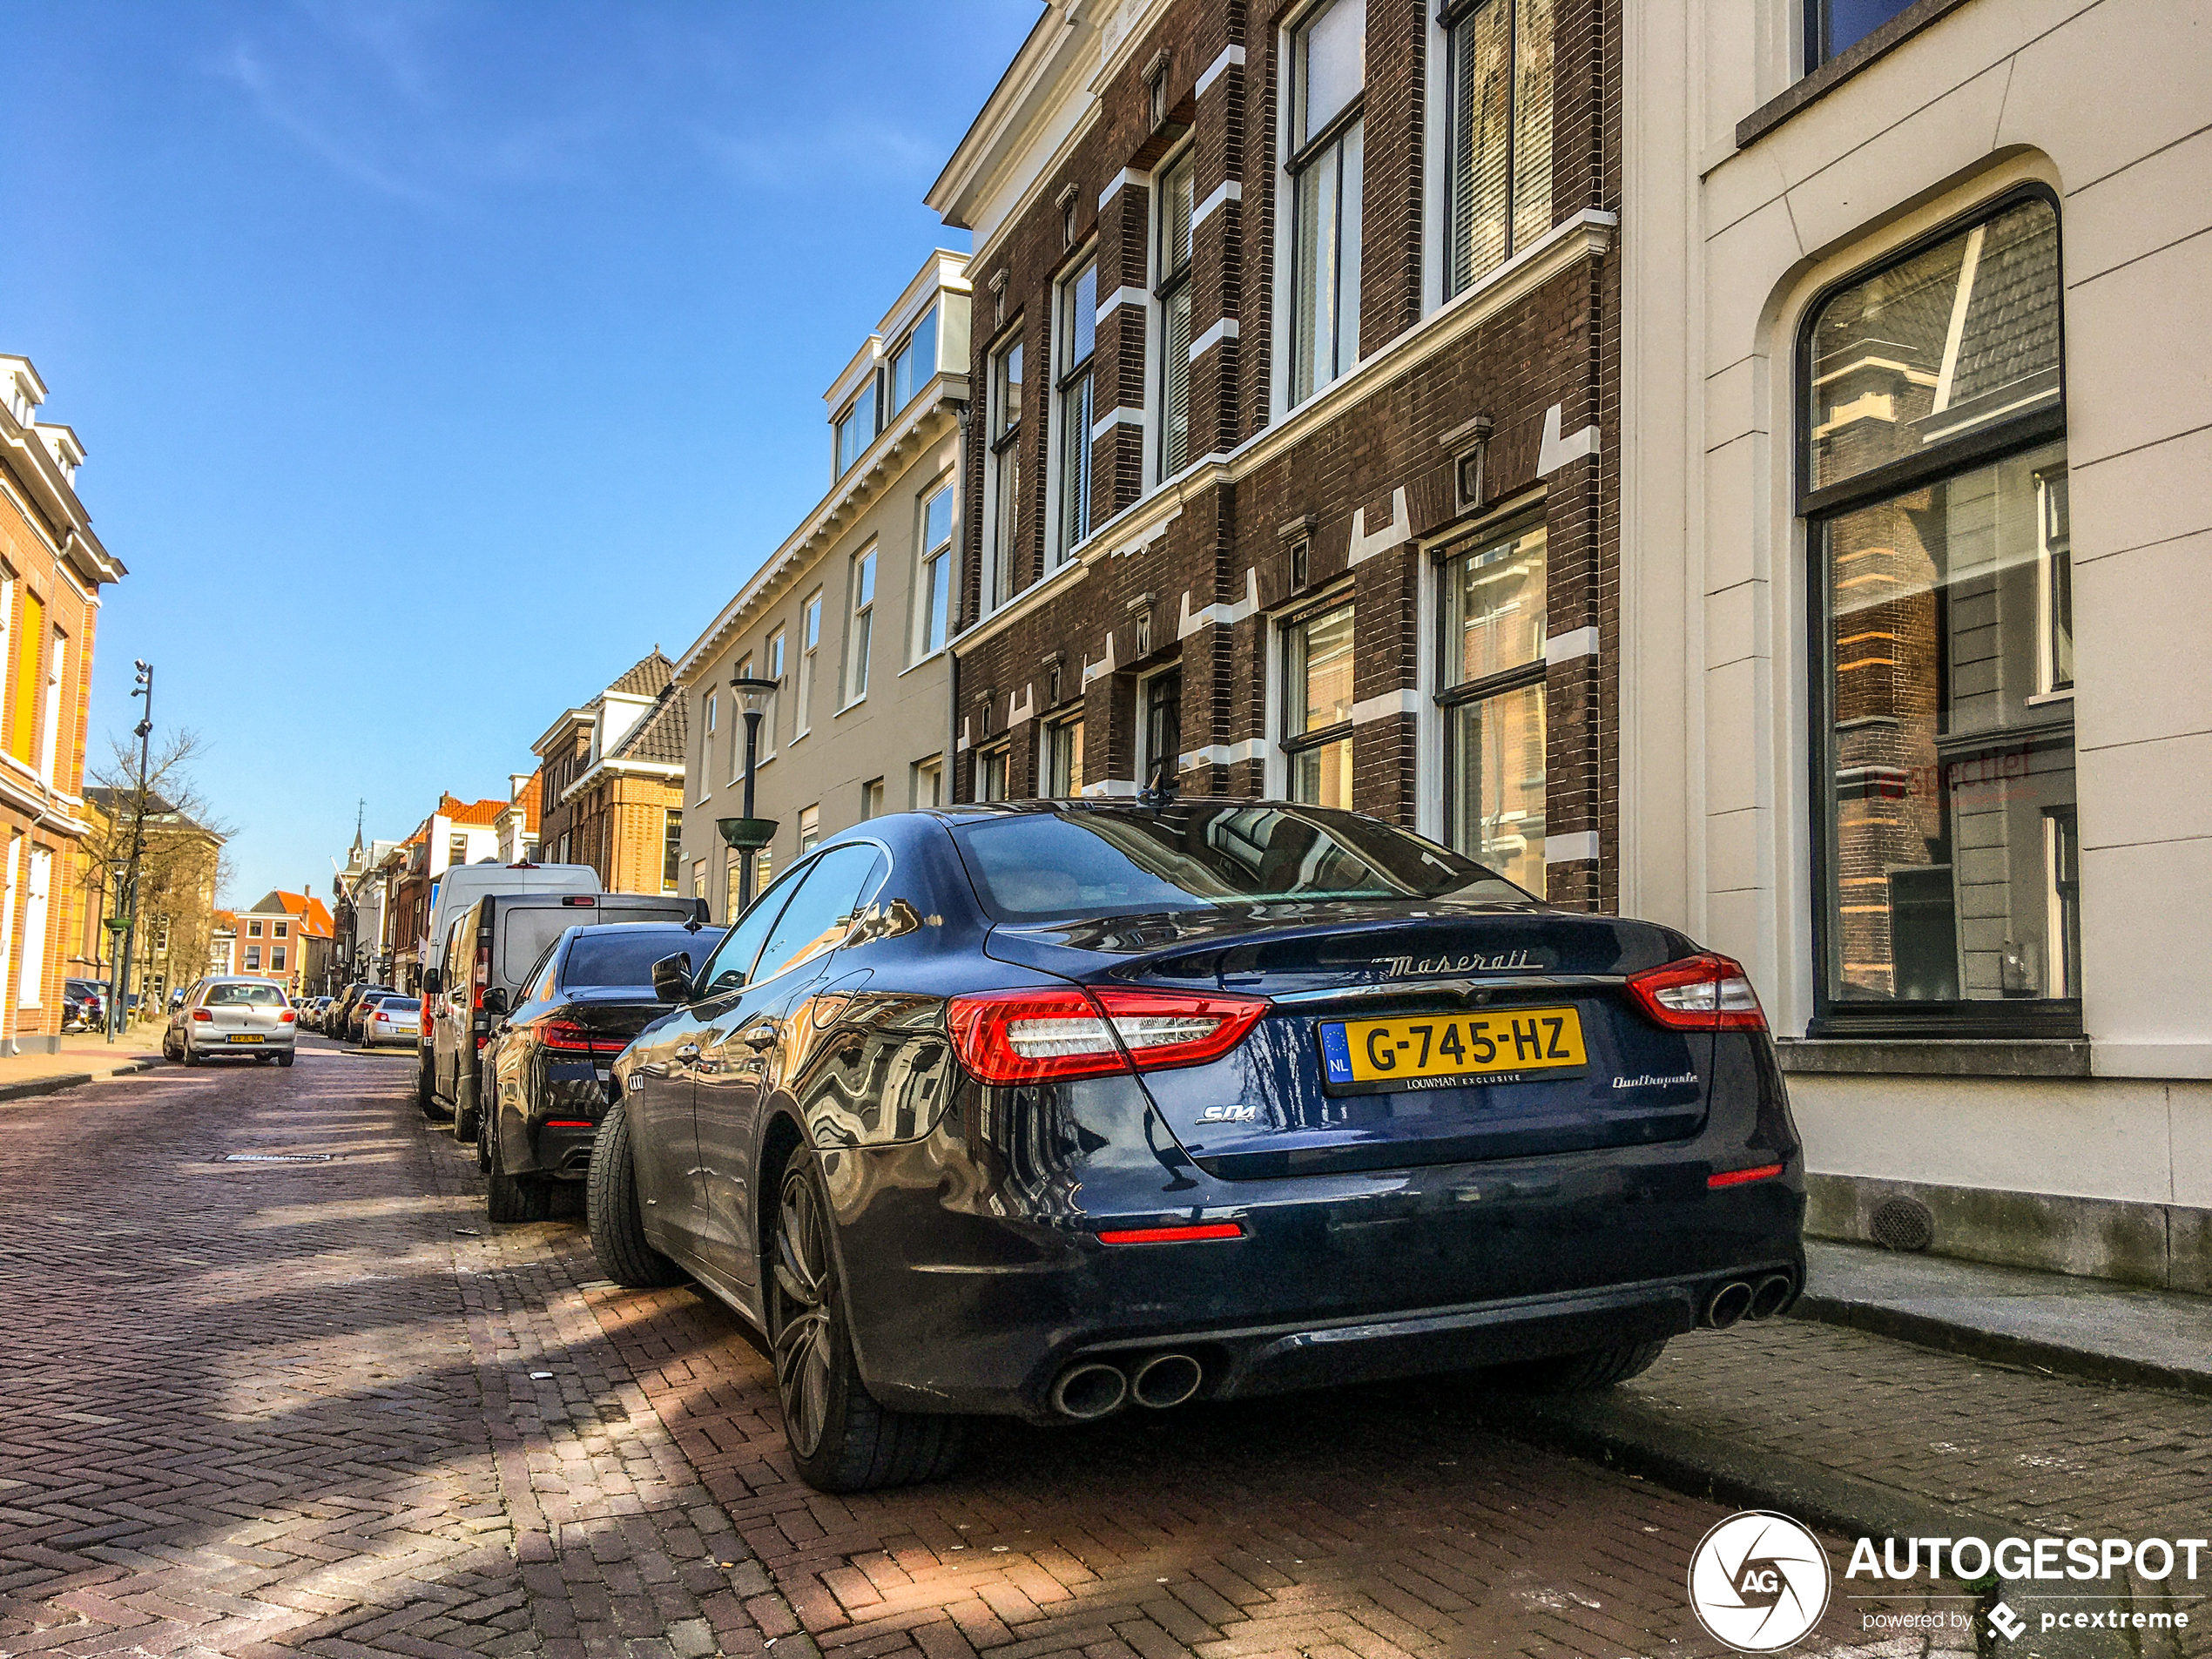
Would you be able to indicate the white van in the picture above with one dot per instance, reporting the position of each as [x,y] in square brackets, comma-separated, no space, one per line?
[458,888]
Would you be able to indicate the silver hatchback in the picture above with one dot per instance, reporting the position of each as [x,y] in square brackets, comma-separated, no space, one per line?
[233,1016]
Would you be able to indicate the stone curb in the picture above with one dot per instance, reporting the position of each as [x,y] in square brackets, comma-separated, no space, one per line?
[31,1088]
[2000,1347]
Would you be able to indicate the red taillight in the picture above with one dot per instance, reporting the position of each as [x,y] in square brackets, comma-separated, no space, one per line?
[569,1122]
[480,976]
[1032,1037]
[566,1036]
[1743,1177]
[202,1014]
[1172,1235]
[287,1017]
[1708,992]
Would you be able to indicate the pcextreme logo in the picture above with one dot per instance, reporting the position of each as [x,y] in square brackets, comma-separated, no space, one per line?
[1759,1582]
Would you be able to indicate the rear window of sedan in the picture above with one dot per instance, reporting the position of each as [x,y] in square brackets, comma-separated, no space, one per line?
[627,955]
[402,1005]
[245,996]
[1066,864]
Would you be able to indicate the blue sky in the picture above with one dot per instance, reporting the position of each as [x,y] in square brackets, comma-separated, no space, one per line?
[436,360]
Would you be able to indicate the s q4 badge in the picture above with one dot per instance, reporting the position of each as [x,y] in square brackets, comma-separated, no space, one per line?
[1229,1114]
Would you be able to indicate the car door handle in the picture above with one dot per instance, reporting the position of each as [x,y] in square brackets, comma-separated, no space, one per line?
[761,1034]
[689,1052]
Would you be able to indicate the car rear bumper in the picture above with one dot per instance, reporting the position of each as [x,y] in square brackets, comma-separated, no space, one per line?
[1333,1280]
[227,1043]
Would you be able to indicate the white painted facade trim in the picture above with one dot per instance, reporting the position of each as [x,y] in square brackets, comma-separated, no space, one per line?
[1218,615]
[1232,56]
[1222,754]
[1405,701]
[1225,329]
[1578,848]
[1565,647]
[1555,451]
[1366,545]
[1228,191]
[1115,185]
[1119,297]
[1113,418]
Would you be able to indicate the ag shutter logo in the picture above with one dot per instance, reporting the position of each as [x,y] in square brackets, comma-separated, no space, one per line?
[1759,1582]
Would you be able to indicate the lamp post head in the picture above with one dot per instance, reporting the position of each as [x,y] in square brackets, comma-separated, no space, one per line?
[753,694]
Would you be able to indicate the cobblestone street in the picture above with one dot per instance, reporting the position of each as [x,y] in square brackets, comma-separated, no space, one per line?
[326,1407]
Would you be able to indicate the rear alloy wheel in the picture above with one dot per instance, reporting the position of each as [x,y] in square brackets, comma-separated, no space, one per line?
[1579,1374]
[612,1215]
[515,1198]
[839,1437]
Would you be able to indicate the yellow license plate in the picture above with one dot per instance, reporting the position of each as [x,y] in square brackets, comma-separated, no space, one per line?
[1421,1047]
[240,1037]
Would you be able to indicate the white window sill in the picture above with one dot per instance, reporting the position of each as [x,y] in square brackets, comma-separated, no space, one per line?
[849,707]
[924,660]
[2042,698]
[798,738]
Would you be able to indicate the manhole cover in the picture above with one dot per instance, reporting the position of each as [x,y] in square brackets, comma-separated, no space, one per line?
[276,1158]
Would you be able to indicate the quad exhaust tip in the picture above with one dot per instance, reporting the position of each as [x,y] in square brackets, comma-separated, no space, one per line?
[1087,1393]
[1727,1305]
[1166,1379]
[1775,1293]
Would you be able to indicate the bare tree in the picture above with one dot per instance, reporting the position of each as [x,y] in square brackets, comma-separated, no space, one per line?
[183,865]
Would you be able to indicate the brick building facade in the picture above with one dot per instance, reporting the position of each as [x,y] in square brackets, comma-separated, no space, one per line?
[52,570]
[610,782]
[1278,310]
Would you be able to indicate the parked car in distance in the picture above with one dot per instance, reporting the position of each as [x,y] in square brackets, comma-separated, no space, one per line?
[333,1020]
[462,886]
[1045,1109]
[83,1005]
[349,1023]
[547,1070]
[234,1017]
[357,1022]
[492,944]
[392,1019]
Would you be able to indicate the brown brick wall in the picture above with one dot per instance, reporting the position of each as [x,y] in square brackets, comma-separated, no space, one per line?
[1557,345]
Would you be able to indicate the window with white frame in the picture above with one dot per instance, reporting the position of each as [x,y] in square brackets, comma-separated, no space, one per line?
[1491,692]
[1317,710]
[872,799]
[769,715]
[915,361]
[809,828]
[277,959]
[860,626]
[671,848]
[1078,339]
[990,772]
[927,786]
[933,584]
[282,930]
[1006,473]
[856,425]
[50,738]
[253,959]
[810,646]
[1498,194]
[1063,741]
[1159,729]
[1328,70]
[1172,294]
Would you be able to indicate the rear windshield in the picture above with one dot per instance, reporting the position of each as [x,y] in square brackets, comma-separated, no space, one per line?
[401,1004]
[245,996]
[1064,865]
[528,932]
[627,955]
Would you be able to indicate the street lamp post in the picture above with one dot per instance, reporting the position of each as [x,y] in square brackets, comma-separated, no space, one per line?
[748,834]
[130,896]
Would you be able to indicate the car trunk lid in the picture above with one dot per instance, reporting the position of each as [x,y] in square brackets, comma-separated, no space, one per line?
[1535,1046]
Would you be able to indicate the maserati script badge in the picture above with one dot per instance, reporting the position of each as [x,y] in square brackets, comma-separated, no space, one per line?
[1505,962]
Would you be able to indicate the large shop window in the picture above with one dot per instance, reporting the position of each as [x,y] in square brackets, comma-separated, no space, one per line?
[1493,702]
[1935,485]
[1078,339]
[1328,87]
[1317,715]
[1171,279]
[1500,133]
[1006,472]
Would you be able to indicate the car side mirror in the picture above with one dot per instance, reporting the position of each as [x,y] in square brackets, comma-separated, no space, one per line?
[432,980]
[672,977]
[495,1002]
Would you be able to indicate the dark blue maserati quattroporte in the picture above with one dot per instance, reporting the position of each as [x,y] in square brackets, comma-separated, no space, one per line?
[1050,1109]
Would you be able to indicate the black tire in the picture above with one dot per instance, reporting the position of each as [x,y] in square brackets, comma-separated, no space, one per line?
[284,1060]
[465,1117]
[1580,1373]
[424,1096]
[841,1438]
[192,1056]
[515,1198]
[484,1143]
[613,1216]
